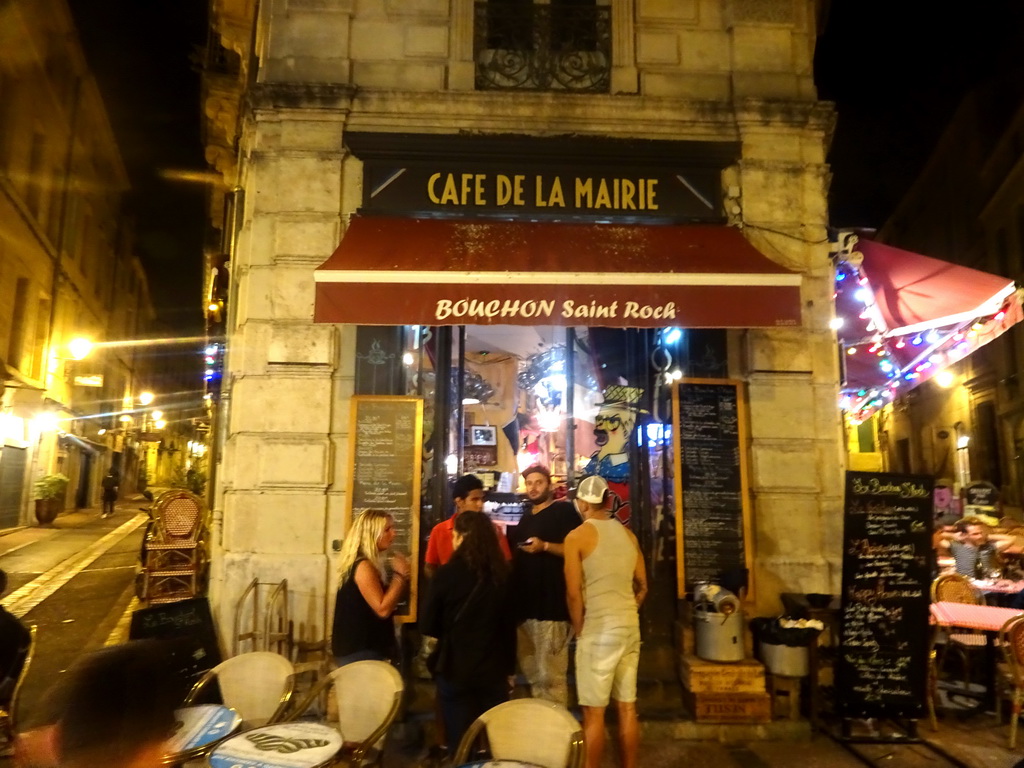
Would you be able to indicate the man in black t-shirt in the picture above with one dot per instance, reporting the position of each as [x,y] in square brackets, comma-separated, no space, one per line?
[542,647]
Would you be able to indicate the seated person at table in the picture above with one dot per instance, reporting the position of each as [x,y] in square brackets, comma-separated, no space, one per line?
[974,548]
[113,708]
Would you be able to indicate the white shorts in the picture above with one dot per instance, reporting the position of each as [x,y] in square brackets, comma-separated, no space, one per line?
[606,665]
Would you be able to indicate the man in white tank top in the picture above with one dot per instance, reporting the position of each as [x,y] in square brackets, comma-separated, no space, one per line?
[605,582]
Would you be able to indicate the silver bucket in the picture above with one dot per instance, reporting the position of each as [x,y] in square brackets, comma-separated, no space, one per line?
[719,636]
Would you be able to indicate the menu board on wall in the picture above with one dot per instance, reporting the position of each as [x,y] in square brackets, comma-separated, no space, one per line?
[882,669]
[384,473]
[712,510]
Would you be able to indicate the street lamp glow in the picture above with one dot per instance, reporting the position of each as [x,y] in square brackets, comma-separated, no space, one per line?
[125,418]
[945,379]
[46,421]
[159,424]
[146,398]
[157,415]
[79,347]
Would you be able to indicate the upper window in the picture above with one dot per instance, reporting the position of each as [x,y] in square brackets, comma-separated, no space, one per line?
[561,46]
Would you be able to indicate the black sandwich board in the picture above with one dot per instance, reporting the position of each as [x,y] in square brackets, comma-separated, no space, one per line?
[882,668]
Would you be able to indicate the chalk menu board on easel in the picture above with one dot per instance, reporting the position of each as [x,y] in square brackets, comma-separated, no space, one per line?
[384,473]
[712,507]
[882,670]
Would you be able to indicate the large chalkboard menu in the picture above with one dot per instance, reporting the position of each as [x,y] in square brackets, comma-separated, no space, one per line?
[712,508]
[887,566]
[384,473]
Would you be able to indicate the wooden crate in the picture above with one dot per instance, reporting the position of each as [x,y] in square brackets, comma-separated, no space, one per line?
[700,676]
[730,707]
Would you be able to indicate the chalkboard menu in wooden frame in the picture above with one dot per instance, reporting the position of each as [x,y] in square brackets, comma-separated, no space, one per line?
[882,670]
[384,472]
[709,432]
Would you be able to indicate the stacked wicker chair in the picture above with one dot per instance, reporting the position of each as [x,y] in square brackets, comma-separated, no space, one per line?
[174,556]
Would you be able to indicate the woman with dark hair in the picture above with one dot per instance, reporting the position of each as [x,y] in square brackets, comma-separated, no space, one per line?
[468,611]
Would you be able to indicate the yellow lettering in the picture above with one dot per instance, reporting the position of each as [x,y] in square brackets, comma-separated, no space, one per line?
[451,192]
[478,198]
[467,178]
[518,197]
[602,196]
[431,193]
[651,192]
[539,200]
[628,190]
[584,192]
[504,189]
[557,197]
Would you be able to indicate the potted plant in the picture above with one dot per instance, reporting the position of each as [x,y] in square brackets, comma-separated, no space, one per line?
[50,491]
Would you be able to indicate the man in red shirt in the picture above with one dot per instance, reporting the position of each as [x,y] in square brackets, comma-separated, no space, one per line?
[468,493]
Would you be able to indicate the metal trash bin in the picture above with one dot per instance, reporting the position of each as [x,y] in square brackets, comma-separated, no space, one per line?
[718,636]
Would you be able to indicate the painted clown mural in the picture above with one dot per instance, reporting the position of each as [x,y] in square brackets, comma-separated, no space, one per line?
[613,431]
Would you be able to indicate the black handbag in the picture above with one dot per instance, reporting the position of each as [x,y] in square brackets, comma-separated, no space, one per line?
[435,660]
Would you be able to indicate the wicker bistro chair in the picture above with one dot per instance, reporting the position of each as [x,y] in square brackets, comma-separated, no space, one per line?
[954,588]
[174,553]
[258,686]
[1010,678]
[9,709]
[368,695]
[531,730]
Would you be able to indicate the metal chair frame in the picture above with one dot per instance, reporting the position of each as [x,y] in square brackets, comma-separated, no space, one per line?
[362,752]
[1011,637]
[512,709]
[954,588]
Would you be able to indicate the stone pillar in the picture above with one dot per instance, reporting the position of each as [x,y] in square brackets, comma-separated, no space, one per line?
[792,373]
[461,65]
[282,377]
[625,76]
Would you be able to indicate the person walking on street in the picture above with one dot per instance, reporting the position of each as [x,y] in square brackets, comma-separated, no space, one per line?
[542,647]
[363,628]
[605,584]
[109,483]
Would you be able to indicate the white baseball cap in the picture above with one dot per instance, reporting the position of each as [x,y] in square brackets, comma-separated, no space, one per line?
[592,490]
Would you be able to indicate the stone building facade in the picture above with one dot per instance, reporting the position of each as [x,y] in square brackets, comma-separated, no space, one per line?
[67,268]
[310,73]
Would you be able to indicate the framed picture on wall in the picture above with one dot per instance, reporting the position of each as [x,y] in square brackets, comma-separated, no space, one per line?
[483,435]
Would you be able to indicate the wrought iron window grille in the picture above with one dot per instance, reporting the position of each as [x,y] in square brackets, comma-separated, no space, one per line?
[527,46]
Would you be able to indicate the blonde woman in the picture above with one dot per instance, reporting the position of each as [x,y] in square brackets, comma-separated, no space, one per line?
[363,607]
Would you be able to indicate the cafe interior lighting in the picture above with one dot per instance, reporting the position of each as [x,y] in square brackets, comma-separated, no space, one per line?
[963,441]
[407,358]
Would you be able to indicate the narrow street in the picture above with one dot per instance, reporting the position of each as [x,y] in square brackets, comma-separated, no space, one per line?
[74,581]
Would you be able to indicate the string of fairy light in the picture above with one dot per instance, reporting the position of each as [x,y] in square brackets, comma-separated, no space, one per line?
[934,348]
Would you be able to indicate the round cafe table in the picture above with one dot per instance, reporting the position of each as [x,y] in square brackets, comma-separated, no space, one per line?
[198,728]
[500,764]
[282,745]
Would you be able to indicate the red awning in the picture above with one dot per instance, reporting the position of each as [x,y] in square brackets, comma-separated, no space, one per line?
[905,317]
[396,271]
[916,293]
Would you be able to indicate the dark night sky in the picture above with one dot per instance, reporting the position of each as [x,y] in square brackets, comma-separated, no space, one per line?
[140,52]
[895,68]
